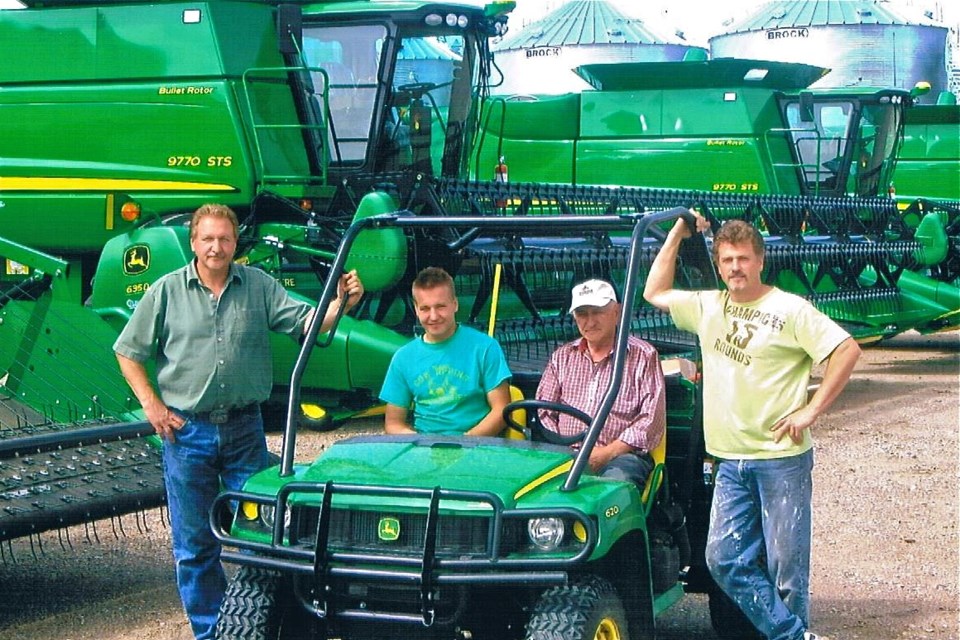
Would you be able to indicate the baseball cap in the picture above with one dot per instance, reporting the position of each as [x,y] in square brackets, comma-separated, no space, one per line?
[592,293]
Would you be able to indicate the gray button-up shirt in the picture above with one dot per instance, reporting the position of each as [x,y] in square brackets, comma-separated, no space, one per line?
[211,354]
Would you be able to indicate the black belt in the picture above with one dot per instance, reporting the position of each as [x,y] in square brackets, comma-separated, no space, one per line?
[222,416]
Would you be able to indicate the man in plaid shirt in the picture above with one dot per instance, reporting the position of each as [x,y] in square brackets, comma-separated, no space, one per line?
[578,375]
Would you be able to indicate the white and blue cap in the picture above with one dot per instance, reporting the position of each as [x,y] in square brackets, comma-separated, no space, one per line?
[592,293]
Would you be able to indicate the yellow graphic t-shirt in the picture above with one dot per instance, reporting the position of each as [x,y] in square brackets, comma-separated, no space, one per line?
[757,359]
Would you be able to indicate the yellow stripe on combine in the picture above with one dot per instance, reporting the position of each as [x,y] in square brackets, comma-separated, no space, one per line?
[104,184]
[108,221]
[549,475]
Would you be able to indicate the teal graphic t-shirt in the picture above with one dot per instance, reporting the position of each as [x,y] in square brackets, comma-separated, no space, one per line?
[446,383]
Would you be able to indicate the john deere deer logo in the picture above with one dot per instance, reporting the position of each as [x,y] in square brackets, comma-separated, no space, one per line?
[136,259]
[388,529]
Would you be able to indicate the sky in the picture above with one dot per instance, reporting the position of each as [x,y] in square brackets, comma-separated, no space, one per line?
[700,19]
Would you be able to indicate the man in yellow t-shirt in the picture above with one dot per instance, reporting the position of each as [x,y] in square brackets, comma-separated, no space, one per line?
[758,344]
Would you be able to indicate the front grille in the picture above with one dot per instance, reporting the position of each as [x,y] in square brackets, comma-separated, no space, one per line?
[352,530]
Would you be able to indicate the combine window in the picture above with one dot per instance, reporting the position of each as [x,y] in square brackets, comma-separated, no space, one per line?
[350,57]
[881,129]
[821,143]
[419,116]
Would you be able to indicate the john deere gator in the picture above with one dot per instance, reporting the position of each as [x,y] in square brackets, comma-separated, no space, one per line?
[489,538]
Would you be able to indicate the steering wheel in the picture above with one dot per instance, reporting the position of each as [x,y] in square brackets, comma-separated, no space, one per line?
[533,408]
[416,89]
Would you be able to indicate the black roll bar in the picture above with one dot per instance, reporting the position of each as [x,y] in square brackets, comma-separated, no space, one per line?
[639,223]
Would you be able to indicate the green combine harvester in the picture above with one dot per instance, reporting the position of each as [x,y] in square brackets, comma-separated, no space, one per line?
[748,139]
[119,119]
[928,165]
[927,177]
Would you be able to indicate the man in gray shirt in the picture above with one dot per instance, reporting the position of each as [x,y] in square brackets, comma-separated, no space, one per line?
[207,327]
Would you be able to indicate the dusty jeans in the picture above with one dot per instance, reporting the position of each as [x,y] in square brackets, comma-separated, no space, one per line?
[758,548]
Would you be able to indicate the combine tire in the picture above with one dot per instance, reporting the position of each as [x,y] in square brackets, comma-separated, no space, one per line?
[587,610]
[259,605]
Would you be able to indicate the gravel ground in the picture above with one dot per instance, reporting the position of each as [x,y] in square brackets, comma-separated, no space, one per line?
[885,561]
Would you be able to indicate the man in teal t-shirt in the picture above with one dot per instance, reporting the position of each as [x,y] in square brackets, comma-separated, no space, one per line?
[455,378]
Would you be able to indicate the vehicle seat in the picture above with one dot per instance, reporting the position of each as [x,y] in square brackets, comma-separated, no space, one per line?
[655,479]
[519,415]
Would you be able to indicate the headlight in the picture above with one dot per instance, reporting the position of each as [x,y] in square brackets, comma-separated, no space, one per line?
[268,515]
[545,533]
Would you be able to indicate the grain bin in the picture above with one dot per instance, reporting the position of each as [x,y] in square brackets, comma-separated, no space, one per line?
[539,58]
[865,43]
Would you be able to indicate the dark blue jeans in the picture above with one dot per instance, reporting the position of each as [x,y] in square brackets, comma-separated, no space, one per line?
[204,457]
[758,548]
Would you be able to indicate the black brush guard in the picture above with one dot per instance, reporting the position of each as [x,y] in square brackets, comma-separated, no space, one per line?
[314,561]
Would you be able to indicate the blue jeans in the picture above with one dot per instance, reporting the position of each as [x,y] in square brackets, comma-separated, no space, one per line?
[758,548]
[203,456]
[629,467]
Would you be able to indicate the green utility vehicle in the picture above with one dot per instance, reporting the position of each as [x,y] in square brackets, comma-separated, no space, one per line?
[455,537]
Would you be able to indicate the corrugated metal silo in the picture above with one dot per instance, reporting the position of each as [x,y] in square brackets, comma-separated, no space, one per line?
[540,58]
[864,42]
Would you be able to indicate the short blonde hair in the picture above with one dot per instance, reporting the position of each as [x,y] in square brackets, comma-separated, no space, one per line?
[212,210]
[431,277]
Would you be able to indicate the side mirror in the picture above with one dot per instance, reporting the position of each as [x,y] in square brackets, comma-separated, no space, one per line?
[290,29]
[806,107]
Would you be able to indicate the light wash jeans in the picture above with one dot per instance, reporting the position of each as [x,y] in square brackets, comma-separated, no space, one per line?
[203,456]
[629,467]
[758,548]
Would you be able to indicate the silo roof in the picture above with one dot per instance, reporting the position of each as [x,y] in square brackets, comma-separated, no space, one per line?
[818,13]
[587,22]
[424,49]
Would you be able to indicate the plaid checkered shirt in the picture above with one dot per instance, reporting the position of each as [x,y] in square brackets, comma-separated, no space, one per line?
[638,415]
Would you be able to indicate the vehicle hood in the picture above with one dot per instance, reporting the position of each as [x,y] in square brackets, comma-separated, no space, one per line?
[508,468]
